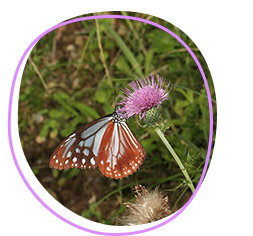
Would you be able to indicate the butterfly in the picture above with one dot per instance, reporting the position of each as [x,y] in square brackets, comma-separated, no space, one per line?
[106,143]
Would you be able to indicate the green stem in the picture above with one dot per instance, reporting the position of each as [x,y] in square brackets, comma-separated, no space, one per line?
[167,144]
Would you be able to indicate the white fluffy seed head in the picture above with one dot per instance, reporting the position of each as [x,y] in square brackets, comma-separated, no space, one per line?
[149,206]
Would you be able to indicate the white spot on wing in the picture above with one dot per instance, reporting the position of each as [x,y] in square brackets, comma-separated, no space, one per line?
[92,161]
[69,154]
[72,135]
[77,150]
[74,159]
[66,141]
[86,152]
[89,141]
[81,143]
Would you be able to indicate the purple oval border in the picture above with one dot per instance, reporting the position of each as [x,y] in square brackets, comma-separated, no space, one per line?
[210,112]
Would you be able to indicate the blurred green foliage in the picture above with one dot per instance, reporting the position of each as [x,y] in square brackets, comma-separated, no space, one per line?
[78,91]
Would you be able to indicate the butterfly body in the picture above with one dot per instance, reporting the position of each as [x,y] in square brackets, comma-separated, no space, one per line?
[106,143]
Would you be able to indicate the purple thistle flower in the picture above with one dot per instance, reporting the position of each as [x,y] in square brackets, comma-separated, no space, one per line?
[144,93]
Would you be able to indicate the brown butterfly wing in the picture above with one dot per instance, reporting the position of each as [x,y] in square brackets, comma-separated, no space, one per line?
[120,154]
[80,149]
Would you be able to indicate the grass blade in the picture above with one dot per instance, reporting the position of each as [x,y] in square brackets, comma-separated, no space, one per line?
[129,55]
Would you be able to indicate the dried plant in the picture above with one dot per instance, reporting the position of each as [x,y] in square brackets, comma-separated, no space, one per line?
[149,206]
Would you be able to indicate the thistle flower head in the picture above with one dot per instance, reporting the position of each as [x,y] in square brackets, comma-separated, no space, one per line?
[148,206]
[144,93]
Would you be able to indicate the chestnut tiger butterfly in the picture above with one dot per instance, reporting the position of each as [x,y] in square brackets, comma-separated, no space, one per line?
[106,143]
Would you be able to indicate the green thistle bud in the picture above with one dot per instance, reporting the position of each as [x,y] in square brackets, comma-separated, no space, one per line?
[152,116]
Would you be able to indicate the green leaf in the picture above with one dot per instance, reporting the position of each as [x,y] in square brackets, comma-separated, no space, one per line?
[56,114]
[188,94]
[104,92]
[93,211]
[123,66]
[43,111]
[101,96]
[149,145]
[204,122]
[63,99]
[69,174]
[162,42]
[148,60]
[86,110]
[49,123]
[91,35]
[53,123]
[108,108]
[128,54]
[66,131]
[44,130]
[55,173]
[35,170]
[60,97]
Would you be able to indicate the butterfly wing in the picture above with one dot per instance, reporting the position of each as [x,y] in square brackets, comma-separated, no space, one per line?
[120,153]
[80,149]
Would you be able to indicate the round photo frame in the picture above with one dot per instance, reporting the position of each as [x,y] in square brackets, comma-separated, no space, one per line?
[159,224]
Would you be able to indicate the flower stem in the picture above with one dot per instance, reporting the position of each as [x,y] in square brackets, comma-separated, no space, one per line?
[176,158]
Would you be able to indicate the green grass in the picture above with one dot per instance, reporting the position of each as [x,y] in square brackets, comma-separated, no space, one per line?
[69,88]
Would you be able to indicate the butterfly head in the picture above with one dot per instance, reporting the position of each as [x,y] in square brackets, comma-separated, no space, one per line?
[117,116]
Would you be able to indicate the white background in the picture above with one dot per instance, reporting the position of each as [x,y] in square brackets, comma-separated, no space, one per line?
[222,30]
